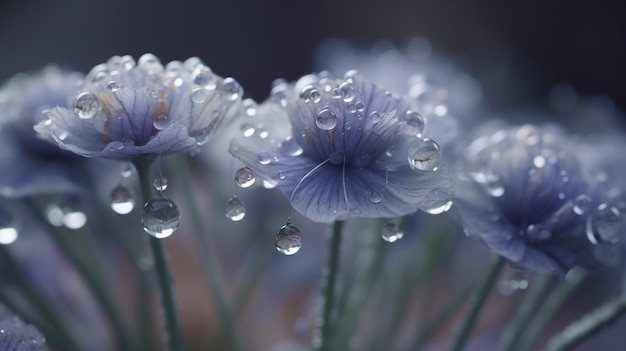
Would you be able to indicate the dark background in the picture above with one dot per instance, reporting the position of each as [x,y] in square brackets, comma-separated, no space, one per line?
[542,43]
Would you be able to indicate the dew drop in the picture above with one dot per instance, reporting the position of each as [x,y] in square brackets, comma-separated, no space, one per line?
[439,209]
[375,197]
[264,158]
[113,86]
[605,225]
[199,95]
[203,76]
[351,107]
[235,209]
[160,217]
[425,156]
[86,105]
[288,239]
[582,204]
[122,201]
[160,182]
[290,147]
[326,119]
[161,122]
[347,91]
[374,117]
[335,93]
[391,232]
[248,130]
[281,175]
[127,170]
[360,106]
[244,177]
[8,230]
[232,88]
[413,123]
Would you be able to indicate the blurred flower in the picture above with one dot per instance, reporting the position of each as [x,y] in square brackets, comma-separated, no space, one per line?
[526,196]
[128,110]
[17,336]
[341,148]
[33,166]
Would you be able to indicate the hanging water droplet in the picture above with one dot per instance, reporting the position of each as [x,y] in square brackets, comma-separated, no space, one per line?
[438,209]
[160,217]
[290,147]
[375,117]
[264,158]
[391,232]
[244,177]
[347,91]
[375,197]
[122,201]
[113,86]
[326,119]
[413,123]
[86,105]
[199,95]
[335,93]
[425,156]
[160,182]
[582,204]
[8,230]
[235,209]
[288,239]
[605,225]
[161,122]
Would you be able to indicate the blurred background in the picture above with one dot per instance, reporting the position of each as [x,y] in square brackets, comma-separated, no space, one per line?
[527,45]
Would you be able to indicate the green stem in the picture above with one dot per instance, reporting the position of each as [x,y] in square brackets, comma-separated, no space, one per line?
[549,308]
[161,266]
[589,325]
[207,254]
[328,289]
[531,301]
[476,305]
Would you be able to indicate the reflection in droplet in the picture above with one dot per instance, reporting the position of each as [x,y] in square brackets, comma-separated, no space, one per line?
[160,217]
[288,239]
[391,232]
[122,201]
[235,209]
[244,177]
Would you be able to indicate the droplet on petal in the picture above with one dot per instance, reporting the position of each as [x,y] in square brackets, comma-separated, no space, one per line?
[86,105]
[244,177]
[235,209]
[160,217]
[161,122]
[413,123]
[199,95]
[232,88]
[439,209]
[425,156]
[288,239]
[326,119]
[391,232]
[122,201]
[582,204]
[375,197]
[606,225]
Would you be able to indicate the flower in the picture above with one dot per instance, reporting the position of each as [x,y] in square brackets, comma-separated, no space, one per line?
[341,148]
[128,110]
[15,335]
[33,166]
[527,197]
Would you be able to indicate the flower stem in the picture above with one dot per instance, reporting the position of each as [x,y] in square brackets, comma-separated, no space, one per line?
[329,279]
[208,255]
[587,326]
[477,304]
[549,308]
[162,269]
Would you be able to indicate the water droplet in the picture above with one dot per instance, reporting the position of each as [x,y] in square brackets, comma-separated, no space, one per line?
[235,209]
[86,105]
[247,129]
[375,117]
[127,170]
[391,232]
[347,91]
[351,107]
[288,239]
[122,201]
[232,88]
[160,217]
[244,177]
[360,106]
[582,204]
[605,225]
[113,86]
[281,175]
[250,107]
[160,182]
[326,119]
[203,77]
[264,158]
[375,197]
[439,209]
[413,123]
[8,230]
[199,95]
[425,156]
[335,93]
[290,147]
[161,122]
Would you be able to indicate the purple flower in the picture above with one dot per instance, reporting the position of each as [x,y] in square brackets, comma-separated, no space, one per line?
[527,197]
[128,110]
[341,148]
[15,335]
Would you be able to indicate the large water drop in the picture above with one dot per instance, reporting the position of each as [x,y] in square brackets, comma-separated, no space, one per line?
[86,105]
[288,239]
[160,217]
[235,209]
[122,201]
